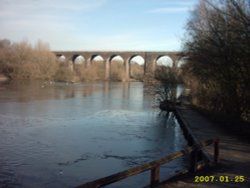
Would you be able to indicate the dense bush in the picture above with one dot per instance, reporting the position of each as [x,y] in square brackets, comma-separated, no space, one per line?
[22,61]
[137,71]
[218,44]
[64,74]
[167,74]
[117,71]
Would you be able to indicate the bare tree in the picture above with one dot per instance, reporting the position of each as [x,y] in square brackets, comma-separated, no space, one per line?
[219,47]
[4,43]
[22,61]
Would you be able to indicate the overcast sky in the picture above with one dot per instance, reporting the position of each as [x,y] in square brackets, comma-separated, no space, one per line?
[152,25]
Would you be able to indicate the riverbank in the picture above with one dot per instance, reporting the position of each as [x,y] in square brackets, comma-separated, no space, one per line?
[234,163]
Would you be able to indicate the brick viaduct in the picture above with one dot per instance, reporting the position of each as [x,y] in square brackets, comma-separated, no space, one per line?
[150,59]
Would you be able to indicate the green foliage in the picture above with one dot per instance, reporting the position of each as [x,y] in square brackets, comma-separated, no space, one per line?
[218,44]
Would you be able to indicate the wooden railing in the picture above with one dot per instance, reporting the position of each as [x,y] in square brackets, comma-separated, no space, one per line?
[154,166]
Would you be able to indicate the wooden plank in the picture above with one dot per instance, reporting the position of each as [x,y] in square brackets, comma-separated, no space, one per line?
[184,125]
[139,169]
[216,151]
[194,160]
[191,138]
[155,176]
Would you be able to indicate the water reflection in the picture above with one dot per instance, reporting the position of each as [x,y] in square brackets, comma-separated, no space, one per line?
[61,135]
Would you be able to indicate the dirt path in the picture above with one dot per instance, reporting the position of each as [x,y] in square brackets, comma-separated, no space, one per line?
[234,163]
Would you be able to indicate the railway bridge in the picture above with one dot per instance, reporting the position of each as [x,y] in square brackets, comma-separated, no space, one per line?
[150,59]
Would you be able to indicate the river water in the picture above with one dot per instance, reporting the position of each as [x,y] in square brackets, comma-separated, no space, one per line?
[62,135]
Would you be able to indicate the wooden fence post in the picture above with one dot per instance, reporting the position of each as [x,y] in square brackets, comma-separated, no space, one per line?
[194,159]
[155,176]
[216,151]
[190,140]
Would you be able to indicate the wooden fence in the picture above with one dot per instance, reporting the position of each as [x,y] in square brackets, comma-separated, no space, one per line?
[154,166]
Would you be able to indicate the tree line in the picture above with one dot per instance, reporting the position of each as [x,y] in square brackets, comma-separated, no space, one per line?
[217,43]
[21,60]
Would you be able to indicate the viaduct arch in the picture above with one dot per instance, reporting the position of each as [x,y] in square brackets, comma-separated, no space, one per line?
[150,59]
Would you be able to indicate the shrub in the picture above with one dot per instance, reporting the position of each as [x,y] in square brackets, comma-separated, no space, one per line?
[22,61]
[117,71]
[64,74]
[137,71]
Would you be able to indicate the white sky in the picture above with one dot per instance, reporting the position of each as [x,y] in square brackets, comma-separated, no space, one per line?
[151,25]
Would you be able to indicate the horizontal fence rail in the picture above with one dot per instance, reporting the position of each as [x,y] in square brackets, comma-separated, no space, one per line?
[154,166]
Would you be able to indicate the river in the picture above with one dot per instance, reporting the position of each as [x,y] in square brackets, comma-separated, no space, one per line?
[62,134]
